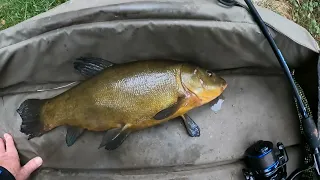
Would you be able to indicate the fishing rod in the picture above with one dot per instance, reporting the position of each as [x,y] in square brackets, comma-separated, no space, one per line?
[261,155]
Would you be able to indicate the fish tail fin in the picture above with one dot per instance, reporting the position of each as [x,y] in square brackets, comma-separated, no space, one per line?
[31,124]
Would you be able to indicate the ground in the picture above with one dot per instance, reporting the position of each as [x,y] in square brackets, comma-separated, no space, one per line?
[303,12]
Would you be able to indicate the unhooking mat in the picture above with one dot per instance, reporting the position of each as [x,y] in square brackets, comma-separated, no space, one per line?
[36,61]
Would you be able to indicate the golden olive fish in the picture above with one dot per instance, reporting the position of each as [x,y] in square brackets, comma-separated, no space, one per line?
[123,98]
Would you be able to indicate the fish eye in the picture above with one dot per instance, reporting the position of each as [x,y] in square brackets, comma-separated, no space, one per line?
[209,73]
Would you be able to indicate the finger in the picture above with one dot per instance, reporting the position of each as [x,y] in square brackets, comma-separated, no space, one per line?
[10,147]
[2,147]
[31,166]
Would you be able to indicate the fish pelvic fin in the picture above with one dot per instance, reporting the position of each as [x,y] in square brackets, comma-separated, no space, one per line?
[113,138]
[29,112]
[90,66]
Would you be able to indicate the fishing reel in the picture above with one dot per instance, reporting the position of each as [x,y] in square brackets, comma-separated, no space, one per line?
[265,162]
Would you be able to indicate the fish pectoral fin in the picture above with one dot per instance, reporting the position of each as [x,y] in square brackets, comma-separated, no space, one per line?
[73,133]
[169,111]
[113,138]
[192,128]
[90,66]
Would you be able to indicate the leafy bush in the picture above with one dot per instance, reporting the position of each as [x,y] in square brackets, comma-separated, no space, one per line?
[307,14]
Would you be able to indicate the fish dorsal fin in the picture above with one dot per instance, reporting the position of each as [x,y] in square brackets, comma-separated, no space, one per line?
[169,111]
[192,128]
[90,66]
[73,133]
[113,138]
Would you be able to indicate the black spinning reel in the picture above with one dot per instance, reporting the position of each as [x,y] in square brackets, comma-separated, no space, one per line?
[265,162]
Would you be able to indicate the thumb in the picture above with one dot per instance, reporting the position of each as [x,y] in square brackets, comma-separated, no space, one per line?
[31,166]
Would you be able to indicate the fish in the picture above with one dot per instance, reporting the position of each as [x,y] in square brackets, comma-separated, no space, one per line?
[123,98]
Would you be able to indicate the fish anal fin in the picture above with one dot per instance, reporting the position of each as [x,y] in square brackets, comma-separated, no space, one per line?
[192,128]
[73,133]
[90,66]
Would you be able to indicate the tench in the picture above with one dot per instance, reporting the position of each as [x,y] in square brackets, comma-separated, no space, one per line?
[121,99]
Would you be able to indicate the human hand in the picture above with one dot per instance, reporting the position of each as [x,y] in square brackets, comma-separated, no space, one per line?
[9,159]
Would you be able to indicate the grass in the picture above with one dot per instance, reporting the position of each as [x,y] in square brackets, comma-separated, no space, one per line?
[14,11]
[304,12]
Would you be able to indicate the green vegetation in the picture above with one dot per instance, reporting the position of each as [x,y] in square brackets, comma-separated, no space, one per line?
[307,14]
[303,12]
[14,11]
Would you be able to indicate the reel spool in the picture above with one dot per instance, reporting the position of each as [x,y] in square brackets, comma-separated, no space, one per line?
[265,162]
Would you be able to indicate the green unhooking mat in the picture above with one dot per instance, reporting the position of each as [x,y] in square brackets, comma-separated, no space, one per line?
[36,61]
